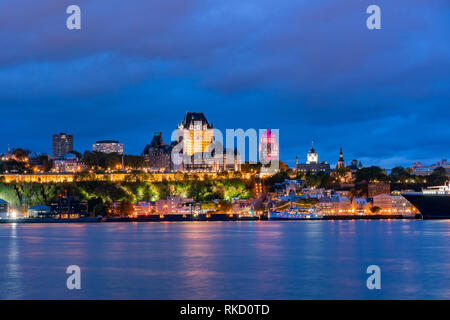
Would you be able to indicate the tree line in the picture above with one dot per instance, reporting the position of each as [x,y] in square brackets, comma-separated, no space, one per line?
[19,195]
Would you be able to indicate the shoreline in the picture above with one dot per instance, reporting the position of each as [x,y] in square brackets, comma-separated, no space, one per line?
[200,218]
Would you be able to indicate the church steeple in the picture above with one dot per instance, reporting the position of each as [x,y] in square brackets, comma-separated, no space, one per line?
[341,162]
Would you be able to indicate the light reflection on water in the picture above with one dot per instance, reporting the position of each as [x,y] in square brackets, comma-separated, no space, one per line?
[227,260]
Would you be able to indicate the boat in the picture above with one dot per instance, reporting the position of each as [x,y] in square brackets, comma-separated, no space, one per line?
[433,202]
[295,214]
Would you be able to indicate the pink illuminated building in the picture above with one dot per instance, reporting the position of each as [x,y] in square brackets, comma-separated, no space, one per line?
[268,147]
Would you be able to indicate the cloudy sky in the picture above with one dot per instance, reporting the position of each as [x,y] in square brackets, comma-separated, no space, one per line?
[309,68]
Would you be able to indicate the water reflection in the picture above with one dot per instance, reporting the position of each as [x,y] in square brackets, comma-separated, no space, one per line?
[12,277]
[227,260]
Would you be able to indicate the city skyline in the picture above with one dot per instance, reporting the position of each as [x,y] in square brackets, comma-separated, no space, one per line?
[336,83]
[302,157]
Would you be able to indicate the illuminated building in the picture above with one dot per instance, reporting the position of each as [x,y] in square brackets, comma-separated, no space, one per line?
[216,159]
[69,163]
[157,154]
[377,188]
[39,211]
[199,152]
[288,187]
[341,163]
[175,205]
[335,204]
[4,209]
[142,208]
[197,134]
[312,157]
[62,144]
[258,188]
[400,204]
[67,207]
[423,170]
[268,147]
[53,177]
[312,165]
[108,146]
[21,157]
[39,162]
[230,161]
[393,203]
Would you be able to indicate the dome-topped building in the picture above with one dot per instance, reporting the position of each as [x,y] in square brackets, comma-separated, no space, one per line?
[312,157]
[312,164]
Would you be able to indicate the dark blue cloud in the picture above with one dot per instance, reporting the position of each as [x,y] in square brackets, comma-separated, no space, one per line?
[310,68]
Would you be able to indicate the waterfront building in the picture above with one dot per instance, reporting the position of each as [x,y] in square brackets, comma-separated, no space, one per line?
[67,207]
[382,201]
[243,207]
[334,203]
[4,209]
[116,208]
[175,205]
[392,203]
[108,146]
[361,205]
[39,211]
[157,154]
[399,203]
[143,208]
[377,188]
[62,144]
[312,165]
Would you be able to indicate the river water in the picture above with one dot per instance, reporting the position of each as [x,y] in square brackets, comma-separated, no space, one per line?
[227,260]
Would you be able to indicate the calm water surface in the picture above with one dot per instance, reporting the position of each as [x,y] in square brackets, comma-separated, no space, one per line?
[227,260]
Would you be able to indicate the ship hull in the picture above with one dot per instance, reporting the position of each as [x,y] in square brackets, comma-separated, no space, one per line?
[430,206]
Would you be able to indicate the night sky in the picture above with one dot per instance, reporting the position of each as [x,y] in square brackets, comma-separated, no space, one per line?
[309,68]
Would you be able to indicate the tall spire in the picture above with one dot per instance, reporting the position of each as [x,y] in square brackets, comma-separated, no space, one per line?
[341,162]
